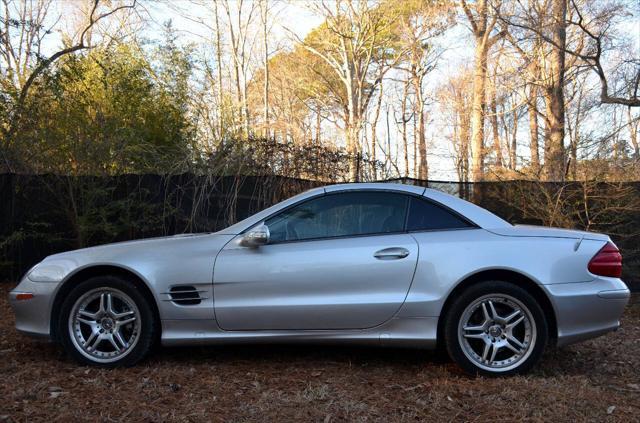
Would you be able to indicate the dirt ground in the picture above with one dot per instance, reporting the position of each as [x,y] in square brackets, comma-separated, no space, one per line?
[593,381]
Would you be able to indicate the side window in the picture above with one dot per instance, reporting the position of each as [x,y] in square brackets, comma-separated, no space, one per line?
[424,215]
[343,214]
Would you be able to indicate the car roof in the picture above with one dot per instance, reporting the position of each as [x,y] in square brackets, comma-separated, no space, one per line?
[387,186]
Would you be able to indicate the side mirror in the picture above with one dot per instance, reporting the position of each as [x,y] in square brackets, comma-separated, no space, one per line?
[256,237]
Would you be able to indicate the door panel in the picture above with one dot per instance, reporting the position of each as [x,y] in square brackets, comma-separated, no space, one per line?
[320,284]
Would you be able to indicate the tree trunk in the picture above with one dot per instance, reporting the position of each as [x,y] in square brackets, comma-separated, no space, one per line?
[493,110]
[352,121]
[415,146]
[267,133]
[219,69]
[464,151]
[513,156]
[236,65]
[318,125]
[423,168]
[533,129]
[554,151]
[374,125]
[405,142]
[633,133]
[352,140]
[478,109]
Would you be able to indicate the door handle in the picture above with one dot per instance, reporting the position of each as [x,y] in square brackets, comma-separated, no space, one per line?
[393,253]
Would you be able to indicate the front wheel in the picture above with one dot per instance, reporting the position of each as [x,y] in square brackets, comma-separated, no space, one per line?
[106,321]
[495,329]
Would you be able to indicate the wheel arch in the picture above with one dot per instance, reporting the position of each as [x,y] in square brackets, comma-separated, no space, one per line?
[98,270]
[509,276]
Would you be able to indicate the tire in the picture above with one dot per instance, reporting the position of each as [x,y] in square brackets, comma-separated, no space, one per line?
[106,321]
[495,316]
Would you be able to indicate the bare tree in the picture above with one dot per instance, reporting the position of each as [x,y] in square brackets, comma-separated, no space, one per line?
[546,67]
[355,47]
[264,10]
[596,26]
[483,20]
[455,99]
[241,49]
[218,43]
[418,31]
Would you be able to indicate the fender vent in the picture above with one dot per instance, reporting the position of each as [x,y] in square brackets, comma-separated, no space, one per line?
[185,295]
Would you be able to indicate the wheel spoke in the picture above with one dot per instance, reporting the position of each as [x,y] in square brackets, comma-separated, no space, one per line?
[125,322]
[86,321]
[516,323]
[123,314]
[512,348]
[474,335]
[516,341]
[119,338]
[91,337]
[114,343]
[512,316]
[475,328]
[102,308]
[95,341]
[485,351]
[109,304]
[494,314]
[485,312]
[493,353]
[88,314]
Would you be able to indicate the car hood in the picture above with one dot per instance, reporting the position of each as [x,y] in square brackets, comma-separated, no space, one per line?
[546,232]
[138,244]
[142,256]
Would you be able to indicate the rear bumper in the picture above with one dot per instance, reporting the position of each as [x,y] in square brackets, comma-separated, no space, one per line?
[33,316]
[586,310]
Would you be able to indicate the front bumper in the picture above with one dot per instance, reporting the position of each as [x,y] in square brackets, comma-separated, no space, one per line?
[33,316]
[586,310]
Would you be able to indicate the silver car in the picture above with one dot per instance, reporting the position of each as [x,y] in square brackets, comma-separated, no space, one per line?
[376,264]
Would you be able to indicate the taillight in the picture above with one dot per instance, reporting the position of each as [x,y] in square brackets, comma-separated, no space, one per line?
[608,262]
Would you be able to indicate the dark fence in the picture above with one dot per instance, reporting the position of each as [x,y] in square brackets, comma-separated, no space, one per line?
[45,214]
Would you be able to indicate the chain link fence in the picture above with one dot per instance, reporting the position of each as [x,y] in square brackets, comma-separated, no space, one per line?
[45,214]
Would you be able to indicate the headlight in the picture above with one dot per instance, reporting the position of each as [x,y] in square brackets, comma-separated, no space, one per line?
[50,271]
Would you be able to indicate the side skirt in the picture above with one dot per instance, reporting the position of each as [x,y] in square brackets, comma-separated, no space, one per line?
[414,332]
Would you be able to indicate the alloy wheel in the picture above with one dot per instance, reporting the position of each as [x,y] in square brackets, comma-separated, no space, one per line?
[497,332]
[104,325]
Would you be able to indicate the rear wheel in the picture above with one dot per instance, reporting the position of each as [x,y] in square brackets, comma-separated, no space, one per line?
[495,328]
[106,321]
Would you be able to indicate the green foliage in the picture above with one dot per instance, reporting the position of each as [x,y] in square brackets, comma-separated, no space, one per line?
[109,112]
[104,216]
